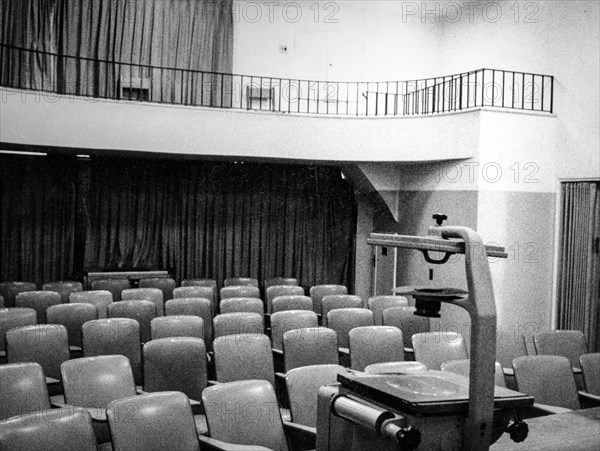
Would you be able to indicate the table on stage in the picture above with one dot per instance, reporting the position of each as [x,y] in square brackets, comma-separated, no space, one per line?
[574,431]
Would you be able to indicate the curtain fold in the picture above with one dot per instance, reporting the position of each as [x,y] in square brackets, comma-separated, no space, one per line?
[37,205]
[579,263]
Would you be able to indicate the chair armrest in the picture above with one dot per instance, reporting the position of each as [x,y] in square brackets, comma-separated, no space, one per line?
[51,381]
[576,370]
[210,383]
[209,443]
[58,401]
[140,391]
[588,400]
[95,413]
[277,352]
[508,371]
[303,437]
[343,351]
[545,409]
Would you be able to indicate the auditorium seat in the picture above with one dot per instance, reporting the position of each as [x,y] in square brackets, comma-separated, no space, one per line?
[404,318]
[178,364]
[282,322]
[177,326]
[64,288]
[9,290]
[211,283]
[267,432]
[157,421]
[39,301]
[336,301]
[343,320]
[23,389]
[112,336]
[317,292]
[198,292]
[240,281]
[98,298]
[240,291]
[165,284]
[114,286]
[281,290]
[309,346]
[73,317]
[378,304]
[231,305]
[141,311]
[374,344]
[194,306]
[46,344]
[68,429]
[302,385]
[291,302]
[237,323]
[11,318]
[463,367]
[146,294]
[243,356]
[590,368]
[435,348]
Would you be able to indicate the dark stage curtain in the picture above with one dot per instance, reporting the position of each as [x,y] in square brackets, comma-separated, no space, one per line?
[122,38]
[37,216]
[220,220]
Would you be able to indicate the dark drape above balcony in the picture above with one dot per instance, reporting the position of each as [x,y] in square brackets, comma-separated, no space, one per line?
[189,35]
[197,219]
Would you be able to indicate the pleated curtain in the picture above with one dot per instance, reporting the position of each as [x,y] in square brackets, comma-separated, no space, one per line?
[579,261]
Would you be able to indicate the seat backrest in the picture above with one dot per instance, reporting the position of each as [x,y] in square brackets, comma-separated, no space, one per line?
[98,298]
[258,422]
[237,323]
[590,367]
[141,311]
[177,326]
[96,381]
[282,322]
[509,345]
[435,348]
[153,421]
[274,291]
[567,343]
[73,317]
[404,318]
[154,295]
[343,320]
[199,283]
[548,378]
[280,281]
[302,386]
[310,346]
[395,368]
[64,288]
[177,364]
[374,344]
[291,302]
[463,368]
[46,344]
[336,301]
[317,292]
[194,306]
[114,286]
[379,303]
[240,291]
[23,389]
[9,290]
[243,356]
[114,336]
[239,281]
[39,301]
[231,305]
[68,429]
[15,317]
[165,284]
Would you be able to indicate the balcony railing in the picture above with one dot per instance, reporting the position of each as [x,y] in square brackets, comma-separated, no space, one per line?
[78,76]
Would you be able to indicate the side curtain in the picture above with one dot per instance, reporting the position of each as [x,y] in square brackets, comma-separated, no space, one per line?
[98,46]
[37,205]
[221,220]
[579,261]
